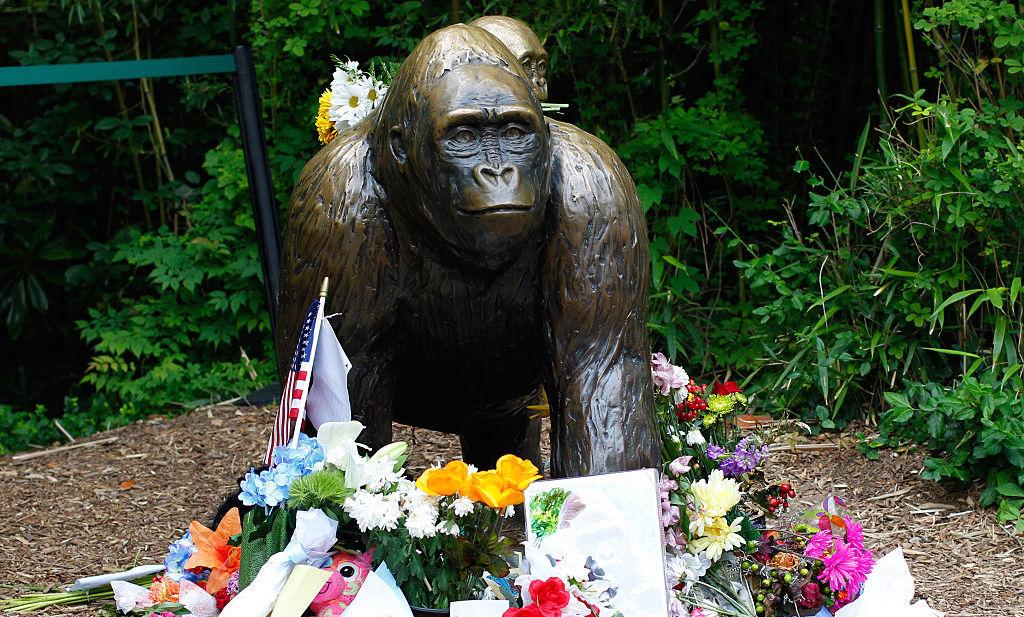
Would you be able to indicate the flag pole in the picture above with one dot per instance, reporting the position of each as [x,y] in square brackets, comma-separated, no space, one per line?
[312,358]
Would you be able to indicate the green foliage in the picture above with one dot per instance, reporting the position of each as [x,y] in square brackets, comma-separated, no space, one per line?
[975,430]
[910,266]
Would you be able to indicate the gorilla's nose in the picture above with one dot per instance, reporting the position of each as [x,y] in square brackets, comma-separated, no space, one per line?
[493,177]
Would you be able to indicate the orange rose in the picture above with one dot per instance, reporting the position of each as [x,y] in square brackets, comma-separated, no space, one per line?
[494,491]
[519,473]
[443,481]
[784,561]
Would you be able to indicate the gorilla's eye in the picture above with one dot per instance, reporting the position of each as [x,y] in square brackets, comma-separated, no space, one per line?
[541,68]
[464,137]
[513,132]
[526,64]
[347,572]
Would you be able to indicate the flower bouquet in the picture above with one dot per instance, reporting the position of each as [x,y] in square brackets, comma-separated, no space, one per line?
[723,556]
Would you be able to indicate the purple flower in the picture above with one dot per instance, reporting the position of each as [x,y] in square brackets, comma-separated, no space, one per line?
[735,466]
[748,455]
[714,451]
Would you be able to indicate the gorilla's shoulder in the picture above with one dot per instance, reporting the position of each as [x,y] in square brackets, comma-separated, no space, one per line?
[588,176]
[337,182]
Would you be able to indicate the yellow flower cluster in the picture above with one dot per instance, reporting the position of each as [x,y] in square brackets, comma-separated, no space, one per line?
[325,130]
[713,498]
[496,488]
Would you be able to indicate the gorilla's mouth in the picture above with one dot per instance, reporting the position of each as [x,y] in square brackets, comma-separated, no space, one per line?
[496,209]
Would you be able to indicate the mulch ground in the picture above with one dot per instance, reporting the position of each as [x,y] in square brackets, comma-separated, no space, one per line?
[121,502]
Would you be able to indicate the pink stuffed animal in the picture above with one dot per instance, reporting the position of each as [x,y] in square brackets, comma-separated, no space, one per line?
[348,571]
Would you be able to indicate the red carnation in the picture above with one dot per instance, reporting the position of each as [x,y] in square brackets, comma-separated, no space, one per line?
[549,596]
[729,387]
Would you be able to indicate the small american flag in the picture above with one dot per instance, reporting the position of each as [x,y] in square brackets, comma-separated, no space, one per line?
[292,410]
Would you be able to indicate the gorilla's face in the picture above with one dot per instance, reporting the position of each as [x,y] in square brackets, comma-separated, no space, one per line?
[484,151]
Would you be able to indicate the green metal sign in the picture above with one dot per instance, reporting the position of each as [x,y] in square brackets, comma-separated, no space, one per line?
[106,71]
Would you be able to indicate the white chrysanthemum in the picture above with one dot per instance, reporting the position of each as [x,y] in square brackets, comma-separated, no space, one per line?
[695,438]
[685,568]
[448,528]
[462,506]
[374,510]
[510,511]
[422,523]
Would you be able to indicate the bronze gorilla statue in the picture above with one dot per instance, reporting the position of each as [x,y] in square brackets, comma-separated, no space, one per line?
[477,251]
[524,45]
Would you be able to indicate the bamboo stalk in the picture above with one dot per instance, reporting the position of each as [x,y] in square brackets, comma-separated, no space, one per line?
[915,83]
[908,33]
[901,50]
[883,89]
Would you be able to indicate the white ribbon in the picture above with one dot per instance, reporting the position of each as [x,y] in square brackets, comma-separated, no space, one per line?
[315,535]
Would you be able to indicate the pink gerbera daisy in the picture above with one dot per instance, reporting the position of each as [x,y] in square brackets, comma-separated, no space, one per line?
[818,544]
[846,568]
[854,533]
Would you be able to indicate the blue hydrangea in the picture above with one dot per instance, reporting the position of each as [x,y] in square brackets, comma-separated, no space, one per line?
[253,489]
[270,487]
[304,455]
[177,554]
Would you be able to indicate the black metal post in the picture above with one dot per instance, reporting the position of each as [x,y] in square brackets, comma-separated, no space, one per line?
[261,186]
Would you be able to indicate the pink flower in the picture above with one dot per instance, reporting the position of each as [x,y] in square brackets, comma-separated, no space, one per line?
[818,544]
[854,533]
[680,466]
[846,568]
[666,376]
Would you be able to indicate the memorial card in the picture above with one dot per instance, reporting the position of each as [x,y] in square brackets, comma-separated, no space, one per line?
[607,524]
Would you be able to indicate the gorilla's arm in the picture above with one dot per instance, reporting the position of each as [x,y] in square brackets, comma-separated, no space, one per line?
[595,284]
[337,227]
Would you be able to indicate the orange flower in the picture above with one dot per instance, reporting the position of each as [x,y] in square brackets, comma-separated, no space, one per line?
[784,561]
[519,473]
[214,552]
[443,481]
[493,490]
[163,590]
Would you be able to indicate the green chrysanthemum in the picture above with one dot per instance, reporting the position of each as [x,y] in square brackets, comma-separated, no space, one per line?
[720,404]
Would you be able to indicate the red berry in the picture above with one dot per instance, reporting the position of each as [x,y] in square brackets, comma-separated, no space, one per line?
[791,493]
[785,504]
[773,502]
[784,488]
[771,509]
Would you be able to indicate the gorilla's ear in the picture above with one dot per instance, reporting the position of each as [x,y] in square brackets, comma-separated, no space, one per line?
[396,137]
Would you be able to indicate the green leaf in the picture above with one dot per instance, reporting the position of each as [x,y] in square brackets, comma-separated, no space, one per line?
[960,295]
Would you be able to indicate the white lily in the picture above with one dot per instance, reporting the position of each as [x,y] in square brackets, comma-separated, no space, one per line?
[338,439]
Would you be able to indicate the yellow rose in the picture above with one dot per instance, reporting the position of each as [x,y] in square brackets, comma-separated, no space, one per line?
[519,472]
[494,491]
[443,481]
